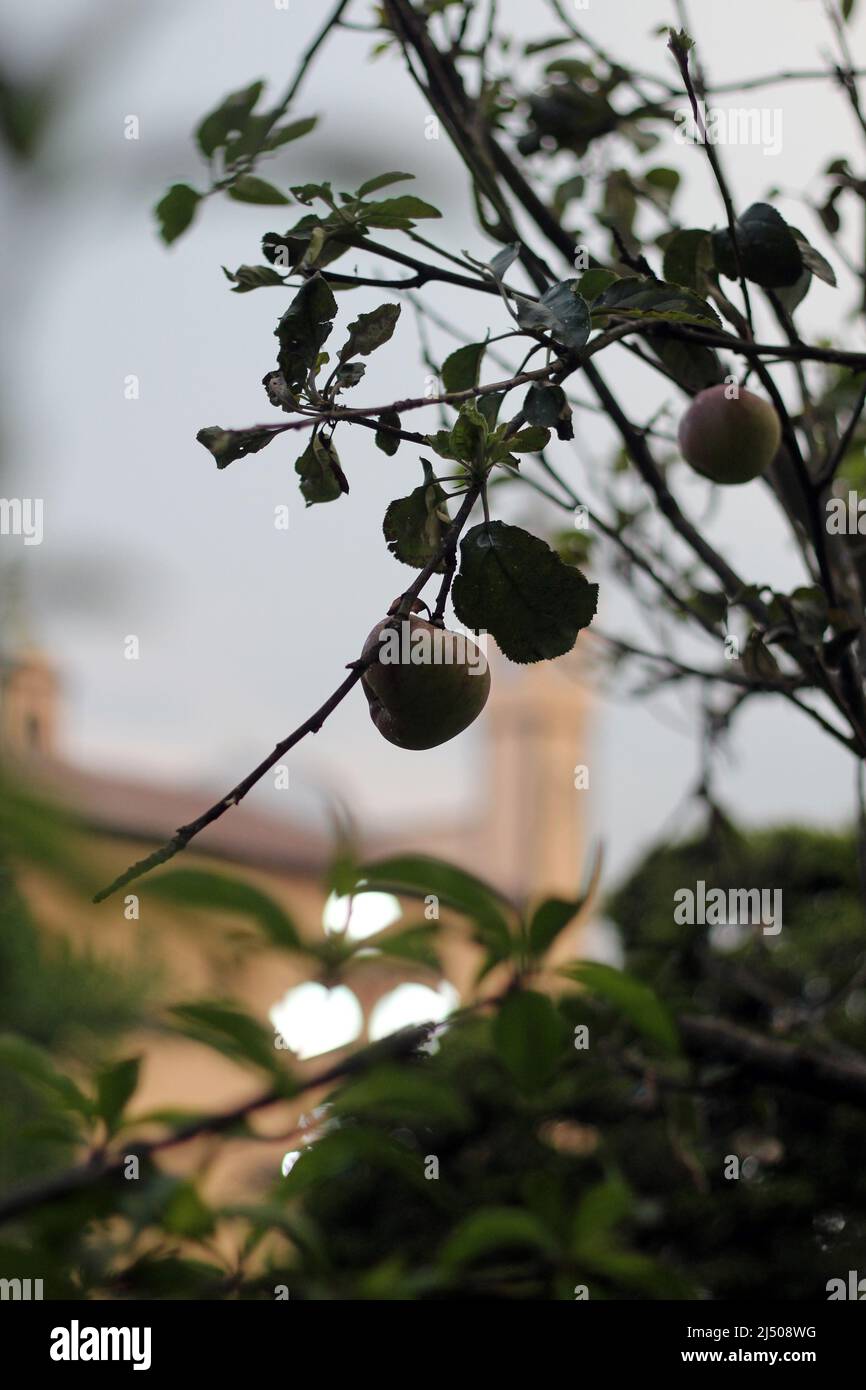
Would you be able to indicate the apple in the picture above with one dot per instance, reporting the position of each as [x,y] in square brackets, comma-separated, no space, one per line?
[427,685]
[729,438]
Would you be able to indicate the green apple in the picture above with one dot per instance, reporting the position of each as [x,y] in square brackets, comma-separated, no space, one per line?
[427,685]
[729,438]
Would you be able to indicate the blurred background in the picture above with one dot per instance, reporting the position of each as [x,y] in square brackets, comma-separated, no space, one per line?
[244,628]
[116,351]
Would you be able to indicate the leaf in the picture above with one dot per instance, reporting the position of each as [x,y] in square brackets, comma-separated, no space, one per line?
[414,525]
[503,261]
[303,329]
[528,1036]
[848,9]
[594,282]
[466,440]
[384,440]
[284,134]
[419,876]
[495,1229]
[381,181]
[229,445]
[227,1030]
[186,1214]
[176,210]
[688,256]
[370,331]
[543,405]
[769,251]
[322,478]
[252,277]
[600,1210]
[637,297]
[250,189]
[632,998]
[527,441]
[560,311]
[460,371]
[231,115]
[398,213]
[404,1097]
[342,1150]
[548,920]
[36,1066]
[514,586]
[201,889]
[814,261]
[114,1087]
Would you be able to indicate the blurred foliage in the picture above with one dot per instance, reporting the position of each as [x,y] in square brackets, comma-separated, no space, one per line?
[536,1147]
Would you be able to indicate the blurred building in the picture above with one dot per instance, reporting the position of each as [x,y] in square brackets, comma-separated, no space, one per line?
[526,837]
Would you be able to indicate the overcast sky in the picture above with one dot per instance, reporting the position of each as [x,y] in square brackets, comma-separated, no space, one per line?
[245,629]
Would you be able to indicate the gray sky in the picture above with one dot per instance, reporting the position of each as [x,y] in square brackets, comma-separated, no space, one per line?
[245,629]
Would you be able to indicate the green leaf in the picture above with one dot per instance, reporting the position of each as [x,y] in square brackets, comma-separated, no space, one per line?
[495,1229]
[418,876]
[412,943]
[414,525]
[549,919]
[543,405]
[185,1214]
[370,331]
[303,330]
[561,311]
[637,297]
[36,1066]
[342,1150]
[251,189]
[514,586]
[769,251]
[688,257]
[600,1210]
[230,116]
[403,1096]
[212,892]
[227,1030]
[466,441]
[594,282]
[387,442]
[632,998]
[528,1035]
[176,210]
[228,445]
[398,213]
[848,9]
[284,134]
[252,277]
[460,371]
[663,181]
[322,477]
[381,181]
[114,1087]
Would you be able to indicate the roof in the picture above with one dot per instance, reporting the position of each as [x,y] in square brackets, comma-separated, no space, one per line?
[146,811]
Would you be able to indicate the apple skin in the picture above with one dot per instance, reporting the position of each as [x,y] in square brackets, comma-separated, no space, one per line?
[421,706]
[731,440]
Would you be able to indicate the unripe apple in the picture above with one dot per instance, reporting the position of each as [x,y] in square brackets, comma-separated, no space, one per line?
[729,439]
[428,684]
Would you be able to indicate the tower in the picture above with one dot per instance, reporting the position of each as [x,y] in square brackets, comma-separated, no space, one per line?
[535,817]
